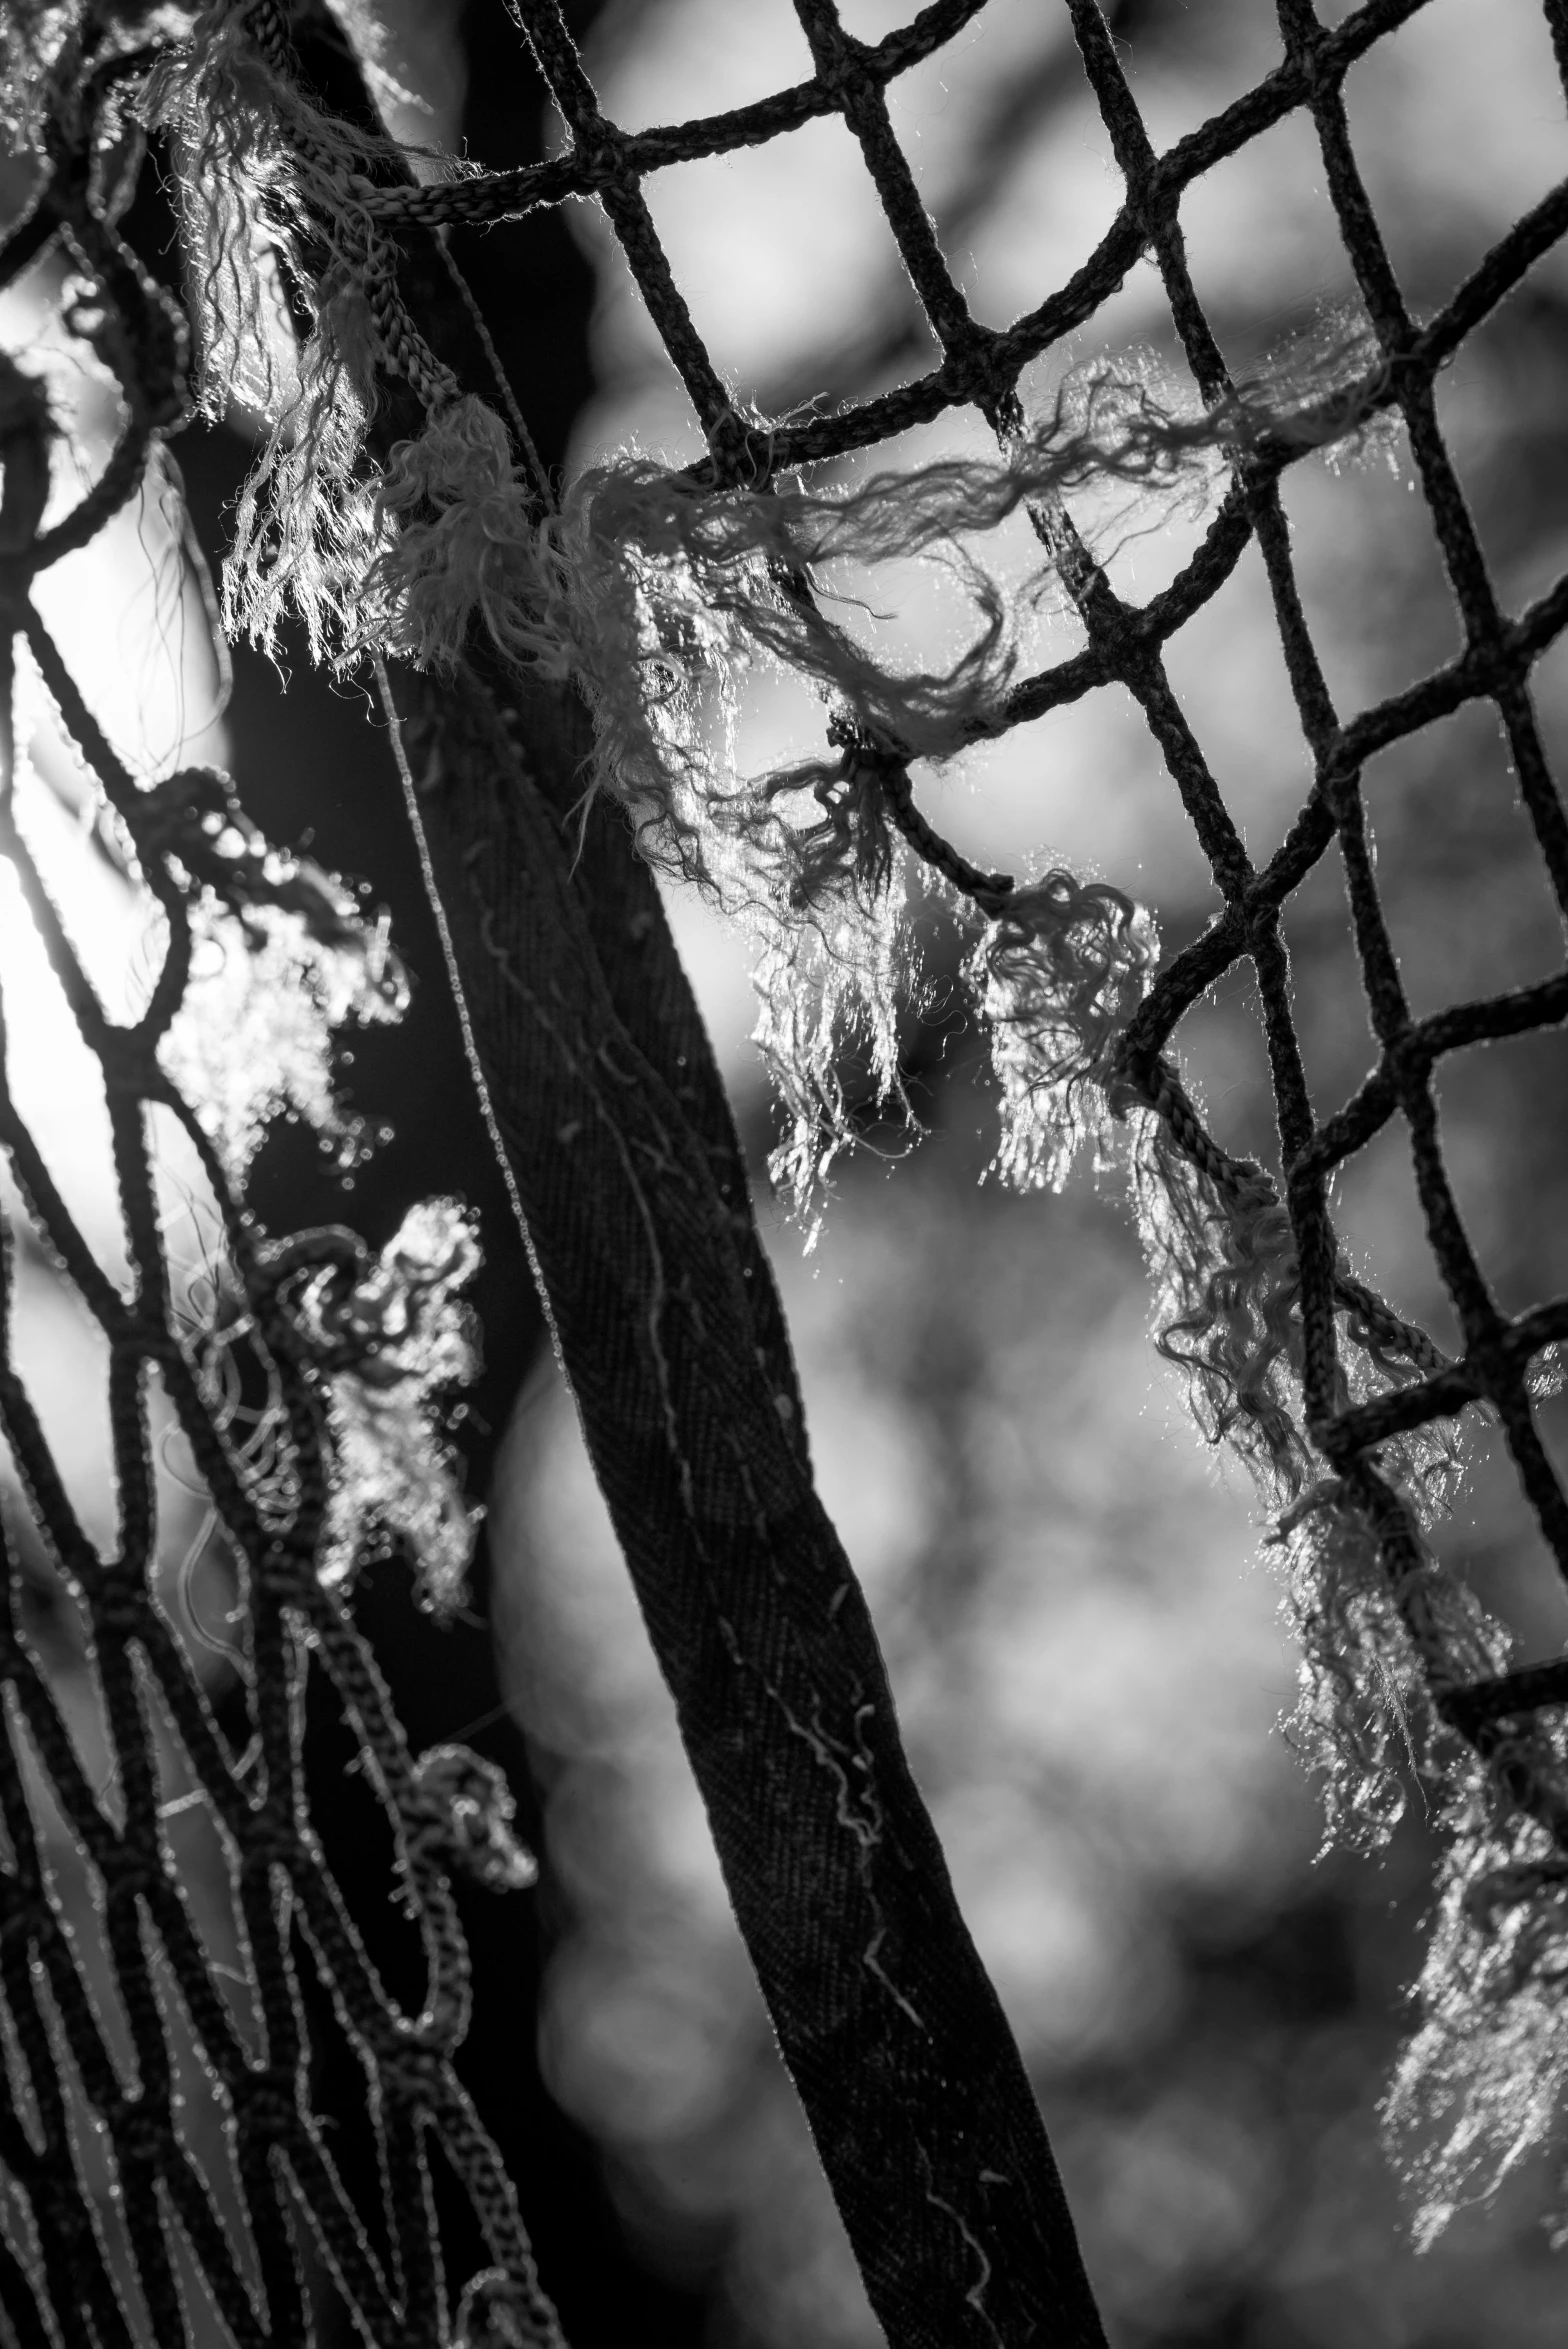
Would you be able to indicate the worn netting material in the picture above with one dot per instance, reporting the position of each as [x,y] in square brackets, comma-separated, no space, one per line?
[303,1391]
[1344,1413]
[635,587]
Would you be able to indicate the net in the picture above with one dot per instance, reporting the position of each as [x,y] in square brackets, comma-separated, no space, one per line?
[1342,1410]
[302,1377]
[525,641]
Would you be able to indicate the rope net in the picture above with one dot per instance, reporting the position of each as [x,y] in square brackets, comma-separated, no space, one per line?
[397,507]
[301,1376]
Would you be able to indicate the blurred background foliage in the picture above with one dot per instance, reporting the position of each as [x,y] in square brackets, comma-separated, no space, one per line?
[1078,1615]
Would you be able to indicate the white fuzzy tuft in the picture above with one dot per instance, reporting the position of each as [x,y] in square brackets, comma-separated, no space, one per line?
[305,534]
[1364,1700]
[1481,2083]
[1055,977]
[252,1040]
[1372,1647]
[413,1339]
[1226,1290]
[265,177]
[828,988]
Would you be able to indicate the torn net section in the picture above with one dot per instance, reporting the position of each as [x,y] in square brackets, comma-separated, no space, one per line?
[636,586]
[301,1374]
[1345,1414]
